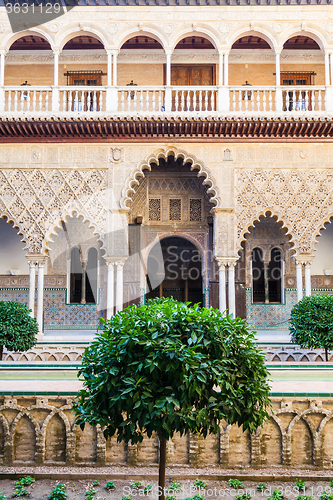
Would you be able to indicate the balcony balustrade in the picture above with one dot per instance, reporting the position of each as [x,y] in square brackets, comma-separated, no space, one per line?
[189,101]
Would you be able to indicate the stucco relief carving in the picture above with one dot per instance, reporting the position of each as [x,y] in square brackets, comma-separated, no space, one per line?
[301,200]
[35,200]
[133,180]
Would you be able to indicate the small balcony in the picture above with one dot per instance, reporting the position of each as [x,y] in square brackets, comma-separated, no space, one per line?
[219,87]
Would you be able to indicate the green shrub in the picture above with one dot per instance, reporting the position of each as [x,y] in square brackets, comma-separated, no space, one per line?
[25,481]
[235,483]
[277,495]
[147,488]
[196,497]
[135,485]
[243,496]
[175,487]
[326,495]
[110,485]
[198,483]
[261,487]
[304,497]
[126,498]
[89,495]
[300,485]
[2,496]
[18,329]
[311,322]
[58,493]
[170,498]
[20,492]
[95,483]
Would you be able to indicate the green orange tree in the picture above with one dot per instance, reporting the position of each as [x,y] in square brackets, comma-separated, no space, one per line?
[17,329]
[166,367]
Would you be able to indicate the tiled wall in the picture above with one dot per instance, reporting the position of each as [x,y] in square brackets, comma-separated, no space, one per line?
[56,311]
[273,316]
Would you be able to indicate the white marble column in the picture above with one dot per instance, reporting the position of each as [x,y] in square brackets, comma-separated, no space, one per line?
[120,285]
[40,295]
[277,69]
[56,68]
[109,70]
[308,279]
[226,70]
[115,55]
[231,289]
[168,68]
[327,69]
[2,79]
[220,68]
[2,68]
[299,281]
[32,284]
[110,291]
[222,287]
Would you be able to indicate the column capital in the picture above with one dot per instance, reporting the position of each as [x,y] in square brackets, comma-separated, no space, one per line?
[56,51]
[304,259]
[168,51]
[111,259]
[36,258]
[3,52]
[278,50]
[226,261]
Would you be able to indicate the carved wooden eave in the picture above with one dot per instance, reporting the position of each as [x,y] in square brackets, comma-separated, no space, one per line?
[155,129]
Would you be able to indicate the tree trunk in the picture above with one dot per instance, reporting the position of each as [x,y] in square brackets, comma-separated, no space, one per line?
[326,355]
[161,471]
[1,351]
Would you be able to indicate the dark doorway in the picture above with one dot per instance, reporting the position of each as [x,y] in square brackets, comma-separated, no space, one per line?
[180,272]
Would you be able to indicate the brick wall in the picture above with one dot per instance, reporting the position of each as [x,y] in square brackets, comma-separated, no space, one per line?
[43,430]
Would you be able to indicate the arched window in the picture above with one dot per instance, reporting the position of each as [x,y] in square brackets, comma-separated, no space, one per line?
[275,276]
[83,277]
[258,276]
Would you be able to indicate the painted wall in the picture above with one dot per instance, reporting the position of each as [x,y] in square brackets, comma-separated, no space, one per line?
[12,255]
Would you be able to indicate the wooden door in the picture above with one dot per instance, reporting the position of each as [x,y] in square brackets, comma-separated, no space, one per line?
[84,101]
[196,75]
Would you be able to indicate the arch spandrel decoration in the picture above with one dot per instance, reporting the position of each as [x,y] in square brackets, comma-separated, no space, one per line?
[299,199]
[133,180]
[35,201]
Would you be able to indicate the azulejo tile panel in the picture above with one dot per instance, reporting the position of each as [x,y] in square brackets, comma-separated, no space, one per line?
[56,311]
[270,315]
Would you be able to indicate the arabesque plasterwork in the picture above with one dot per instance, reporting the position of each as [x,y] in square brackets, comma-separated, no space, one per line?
[302,200]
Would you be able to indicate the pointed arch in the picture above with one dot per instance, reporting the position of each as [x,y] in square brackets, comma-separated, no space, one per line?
[77,212]
[133,180]
[328,219]
[244,229]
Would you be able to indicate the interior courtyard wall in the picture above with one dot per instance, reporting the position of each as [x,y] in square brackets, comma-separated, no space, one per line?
[42,429]
[294,182]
